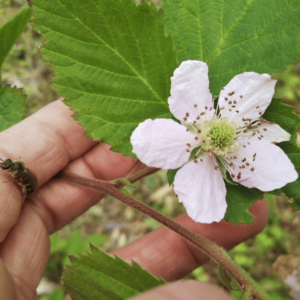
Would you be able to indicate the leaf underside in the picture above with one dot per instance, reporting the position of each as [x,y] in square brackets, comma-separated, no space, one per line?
[11,30]
[99,276]
[235,36]
[12,106]
[112,62]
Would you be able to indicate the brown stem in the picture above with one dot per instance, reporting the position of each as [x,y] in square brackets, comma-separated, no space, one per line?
[209,248]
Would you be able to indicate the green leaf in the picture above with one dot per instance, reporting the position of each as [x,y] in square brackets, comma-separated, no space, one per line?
[171,175]
[283,115]
[11,30]
[235,36]
[97,276]
[292,190]
[112,62]
[12,106]
[239,200]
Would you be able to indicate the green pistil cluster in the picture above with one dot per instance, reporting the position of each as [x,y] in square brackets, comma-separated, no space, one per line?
[222,134]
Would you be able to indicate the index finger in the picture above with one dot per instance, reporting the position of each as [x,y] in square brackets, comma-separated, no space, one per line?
[47,141]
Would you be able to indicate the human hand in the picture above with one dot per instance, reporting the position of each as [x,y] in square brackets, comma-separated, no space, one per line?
[50,141]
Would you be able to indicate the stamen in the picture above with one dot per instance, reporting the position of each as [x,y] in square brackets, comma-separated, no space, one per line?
[226,99]
[195,161]
[187,114]
[265,129]
[199,130]
[189,145]
[195,105]
[252,169]
[185,118]
[196,138]
[241,96]
[230,94]
[232,175]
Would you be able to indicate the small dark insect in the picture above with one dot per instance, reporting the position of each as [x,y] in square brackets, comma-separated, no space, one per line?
[22,174]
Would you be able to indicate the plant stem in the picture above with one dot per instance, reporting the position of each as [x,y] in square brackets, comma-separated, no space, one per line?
[209,248]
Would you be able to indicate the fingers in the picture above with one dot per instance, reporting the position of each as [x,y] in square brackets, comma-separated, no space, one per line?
[185,290]
[58,202]
[25,254]
[166,255]
[46,141]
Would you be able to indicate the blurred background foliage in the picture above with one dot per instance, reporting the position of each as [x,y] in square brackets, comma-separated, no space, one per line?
[110,224]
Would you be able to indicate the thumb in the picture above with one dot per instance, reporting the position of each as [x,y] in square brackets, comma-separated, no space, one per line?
[187,289]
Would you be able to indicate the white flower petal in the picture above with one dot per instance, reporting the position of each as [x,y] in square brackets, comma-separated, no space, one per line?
[269,132]
[202,190]
[190,95]
[246,96]
[266,166]
[163,143]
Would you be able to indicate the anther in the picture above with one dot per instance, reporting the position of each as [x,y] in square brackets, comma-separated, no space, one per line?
[203,113]
[237,111]
[195,161]
[230,94]
[260,113]
[206,107]
[196,138]
[187,129]
[247,164]
[231,164]
[189,145]
[241,96]
[195,105]
[211,108]
[233,106]
[252,169]
[257,107]
[265,129]
[199,130]
[234,102]
[244,159]
[226,99]
[216,168]
[187,150]
[239,176]
[198,118]
[230,102]
[185,119]
[201,159]
[232,175]
[187,114]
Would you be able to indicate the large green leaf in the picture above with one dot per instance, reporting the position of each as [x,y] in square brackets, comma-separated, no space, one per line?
[11,30]
[98,276]
[112,62]
[12,106]
[235,36]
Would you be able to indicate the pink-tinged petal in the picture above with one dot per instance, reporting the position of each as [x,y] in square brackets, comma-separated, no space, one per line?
[163,143]
[246,96]
[269,132]
[202,190]
[190,96]
[262,165]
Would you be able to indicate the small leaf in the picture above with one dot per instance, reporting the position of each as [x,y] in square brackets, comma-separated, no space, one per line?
[284,115]
[12,106]
[292,190]
[112,61]
[235,36]
[239,200]
[97,276]
[11,30]
[171,176]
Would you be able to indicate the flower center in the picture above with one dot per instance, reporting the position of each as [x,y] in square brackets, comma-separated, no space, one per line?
[222,135]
